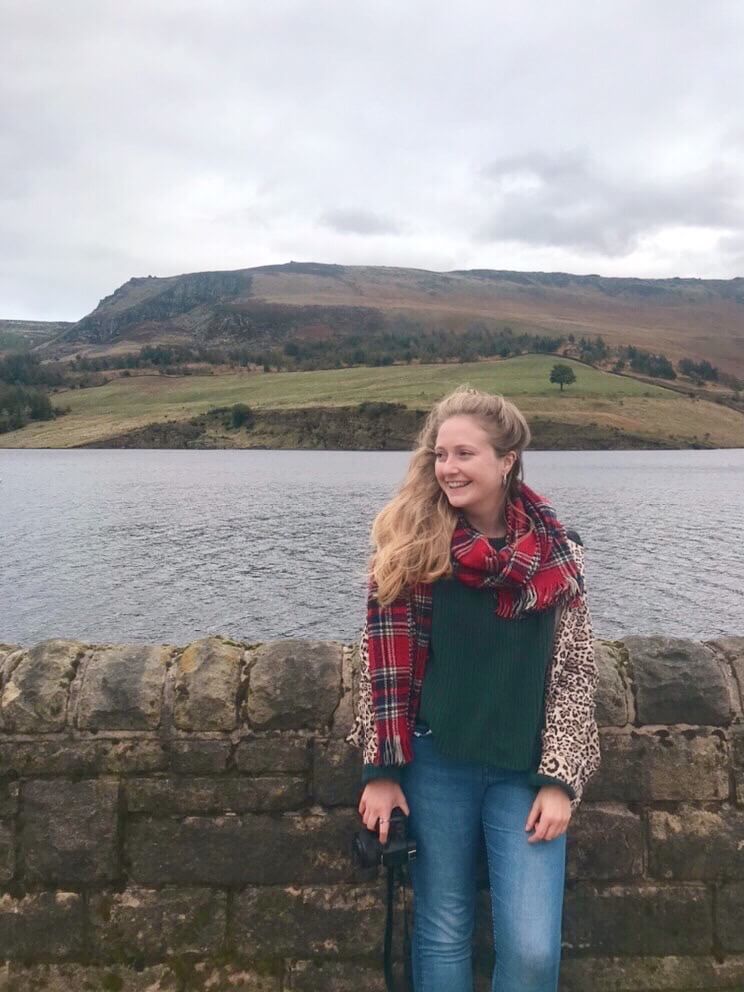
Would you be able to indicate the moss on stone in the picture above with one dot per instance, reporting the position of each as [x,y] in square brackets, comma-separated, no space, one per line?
[111,982]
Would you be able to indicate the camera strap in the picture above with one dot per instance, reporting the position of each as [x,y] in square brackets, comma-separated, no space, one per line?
[400,871]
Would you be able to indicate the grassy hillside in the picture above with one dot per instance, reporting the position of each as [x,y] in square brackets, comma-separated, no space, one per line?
[702,318]
[597,400]
[25,335]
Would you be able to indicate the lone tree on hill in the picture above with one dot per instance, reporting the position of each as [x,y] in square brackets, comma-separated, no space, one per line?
[563,374]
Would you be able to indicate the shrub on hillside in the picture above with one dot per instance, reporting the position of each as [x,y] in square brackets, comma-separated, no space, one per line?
[373,408]
[241,415]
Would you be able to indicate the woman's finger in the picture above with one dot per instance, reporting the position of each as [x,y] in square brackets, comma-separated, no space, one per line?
[383,832]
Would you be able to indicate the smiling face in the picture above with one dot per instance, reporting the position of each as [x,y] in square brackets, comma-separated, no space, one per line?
[463,454]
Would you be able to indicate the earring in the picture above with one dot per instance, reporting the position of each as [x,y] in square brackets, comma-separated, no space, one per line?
[503,481]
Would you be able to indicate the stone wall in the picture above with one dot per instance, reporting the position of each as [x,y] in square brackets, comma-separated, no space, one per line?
[180,818]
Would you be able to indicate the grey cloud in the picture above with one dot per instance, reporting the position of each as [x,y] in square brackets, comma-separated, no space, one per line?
[358,221]
[571,200]
[169,137]
[732,244]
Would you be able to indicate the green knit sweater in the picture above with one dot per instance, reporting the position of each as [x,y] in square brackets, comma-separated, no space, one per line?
[484,682]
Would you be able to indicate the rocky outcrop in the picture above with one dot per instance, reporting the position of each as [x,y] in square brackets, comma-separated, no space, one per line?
[147,299]
[180,818]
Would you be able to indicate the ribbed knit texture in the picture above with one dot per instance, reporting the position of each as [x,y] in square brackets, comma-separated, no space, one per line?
[484,683]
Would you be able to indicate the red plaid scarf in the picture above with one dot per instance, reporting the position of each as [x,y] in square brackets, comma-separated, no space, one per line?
[534,571]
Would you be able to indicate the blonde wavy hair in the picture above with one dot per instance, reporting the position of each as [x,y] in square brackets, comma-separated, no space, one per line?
[411,535]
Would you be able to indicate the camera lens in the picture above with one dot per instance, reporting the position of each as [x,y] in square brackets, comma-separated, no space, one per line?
[366,849]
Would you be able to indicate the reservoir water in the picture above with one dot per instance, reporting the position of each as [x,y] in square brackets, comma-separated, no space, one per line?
[170,546]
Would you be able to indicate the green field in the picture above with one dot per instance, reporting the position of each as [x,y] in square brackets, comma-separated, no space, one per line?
[414,385]
[596,397]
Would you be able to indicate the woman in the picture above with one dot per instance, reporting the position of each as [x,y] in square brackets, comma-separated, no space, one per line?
[476,693]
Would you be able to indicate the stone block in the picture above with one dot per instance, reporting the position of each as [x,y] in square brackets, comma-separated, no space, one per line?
[671,973]
[729,917]
[195,850]
[149,924]
[604,841]
[612,699]
[209,976]
[732,649]
[168,796]
[99,756]
[255,755]
[19,977]
[339,976]
[293,685]
[7,851]
[354,665]
[337,770]
[737,760]
[207,678]
[199,757]
[692,843]
[678,681]
[34,697]
[638,919]
[343,718]
[6,650]
[41,925]
[661,764]
[69,832]
[249,849]
[323,921]
[8,798]
[122,688]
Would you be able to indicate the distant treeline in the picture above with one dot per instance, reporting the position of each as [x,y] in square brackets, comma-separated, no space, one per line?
[24,390]
[645,362]
[404,342]
[19,405]
[27,370]
[161,357]
[25,382]
[701,370]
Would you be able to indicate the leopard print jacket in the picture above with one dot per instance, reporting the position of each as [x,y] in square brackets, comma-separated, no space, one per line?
[570,741]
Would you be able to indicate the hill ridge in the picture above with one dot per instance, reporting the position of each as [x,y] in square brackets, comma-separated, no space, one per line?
[678,316]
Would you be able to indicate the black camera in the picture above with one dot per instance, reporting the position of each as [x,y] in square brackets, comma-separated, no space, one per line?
[367,851]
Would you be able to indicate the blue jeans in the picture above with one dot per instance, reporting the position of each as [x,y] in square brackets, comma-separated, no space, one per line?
[449,802]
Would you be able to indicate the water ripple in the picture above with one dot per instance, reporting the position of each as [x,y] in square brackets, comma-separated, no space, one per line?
[168,546]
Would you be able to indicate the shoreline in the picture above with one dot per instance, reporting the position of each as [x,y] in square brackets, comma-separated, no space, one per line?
[388,427]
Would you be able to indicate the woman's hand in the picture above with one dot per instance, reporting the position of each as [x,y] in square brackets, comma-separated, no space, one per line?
[551,811]
[378,800]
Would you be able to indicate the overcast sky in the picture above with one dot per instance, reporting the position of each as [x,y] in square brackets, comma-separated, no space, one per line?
[154,137]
